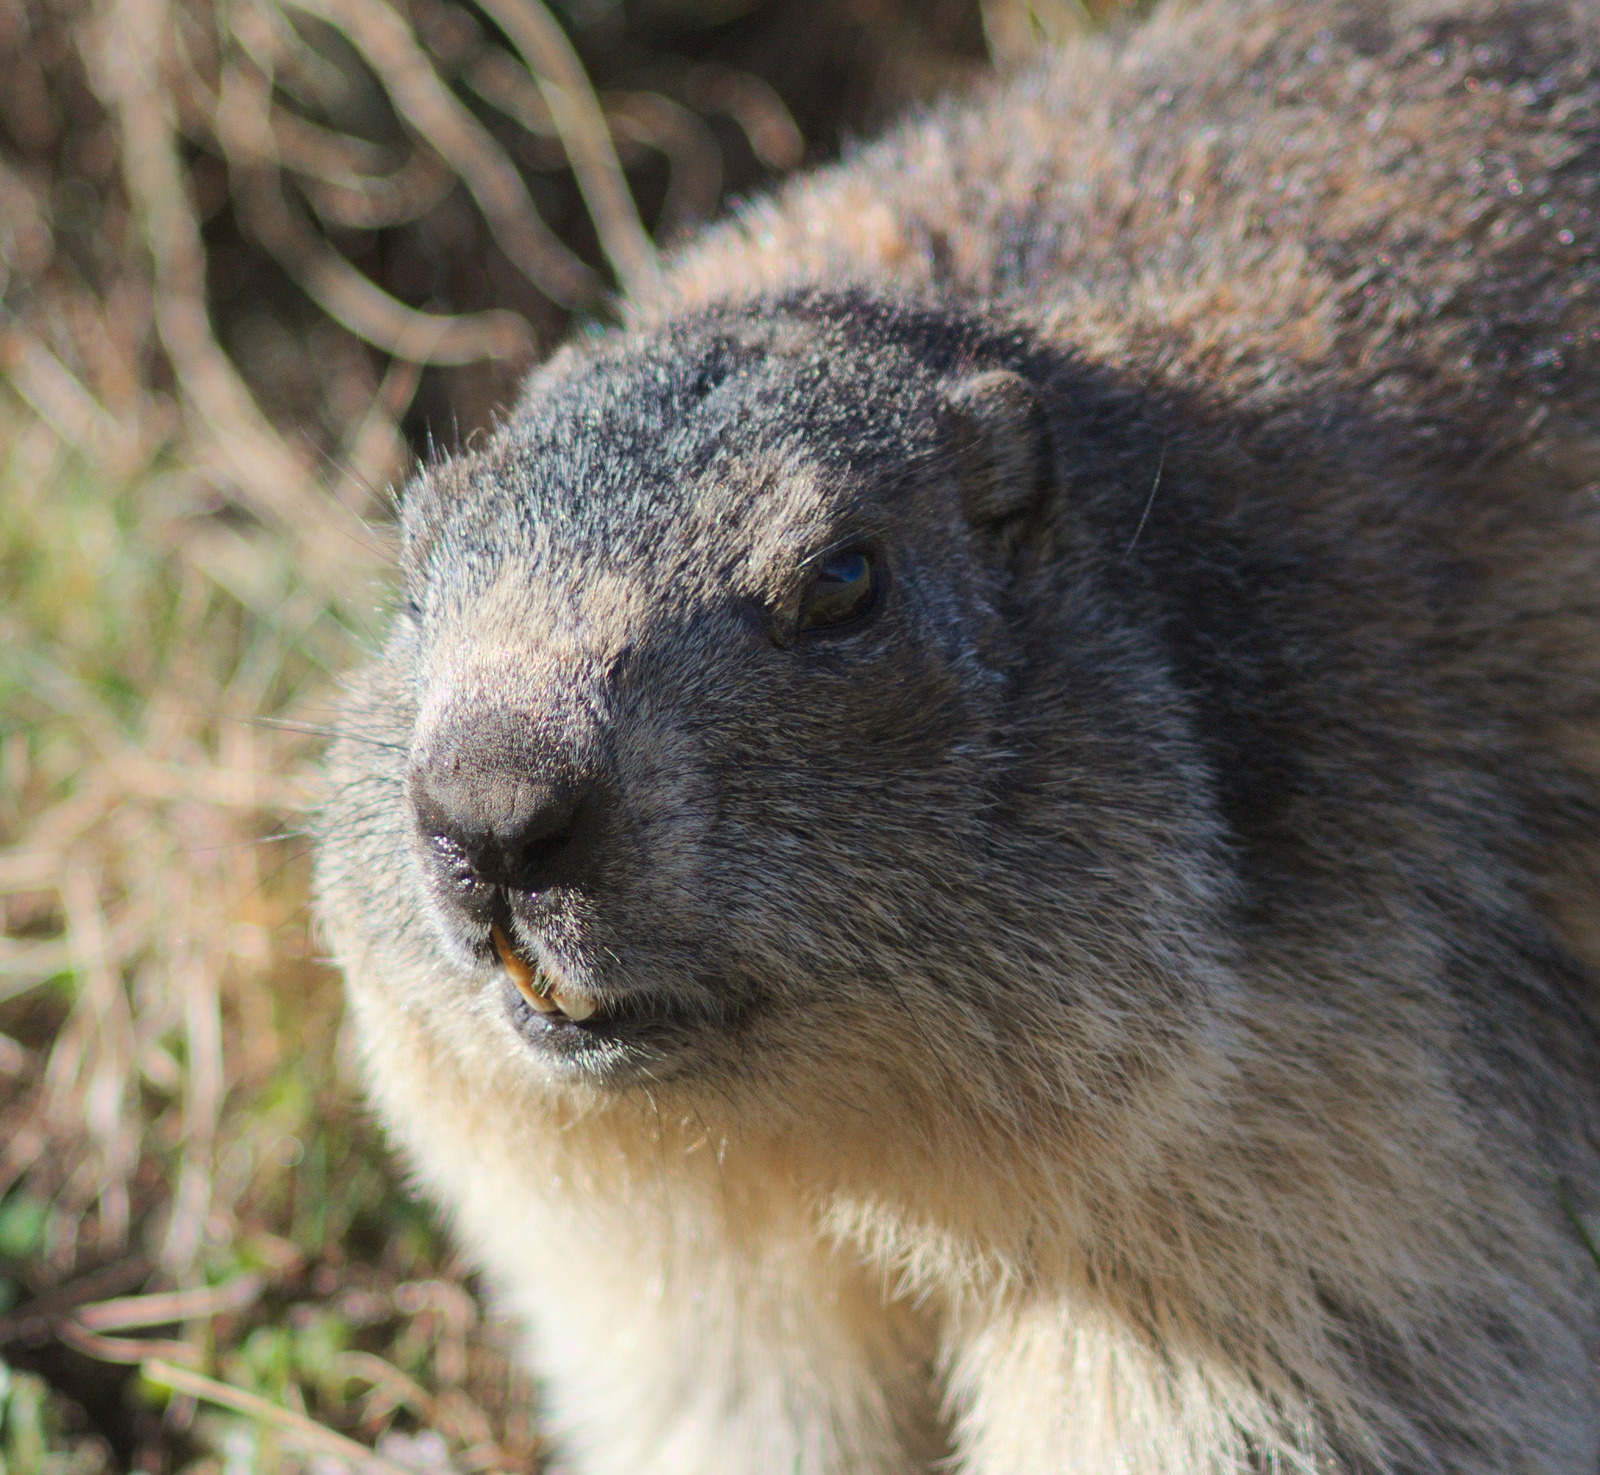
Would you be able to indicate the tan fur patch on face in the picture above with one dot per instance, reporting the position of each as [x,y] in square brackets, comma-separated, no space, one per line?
[773,516]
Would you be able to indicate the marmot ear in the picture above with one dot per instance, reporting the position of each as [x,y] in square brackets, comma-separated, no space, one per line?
[996,427]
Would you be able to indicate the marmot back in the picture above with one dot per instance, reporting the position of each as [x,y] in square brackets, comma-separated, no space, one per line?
[976,839]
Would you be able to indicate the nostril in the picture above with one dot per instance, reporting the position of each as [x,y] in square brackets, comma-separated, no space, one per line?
[484,826]
[549,820]
[542,853]
[543,838]
[450,855]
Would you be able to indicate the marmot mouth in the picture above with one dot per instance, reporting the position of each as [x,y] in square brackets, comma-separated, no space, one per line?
[553,1014]
[537,987]
[604,1038]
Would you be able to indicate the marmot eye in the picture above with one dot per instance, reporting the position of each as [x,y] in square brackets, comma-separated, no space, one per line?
[844,592]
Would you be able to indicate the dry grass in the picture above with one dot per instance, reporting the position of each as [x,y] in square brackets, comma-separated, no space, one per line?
[187,1174]
[217,348]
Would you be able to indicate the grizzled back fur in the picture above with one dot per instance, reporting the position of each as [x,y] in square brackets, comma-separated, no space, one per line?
[976,839]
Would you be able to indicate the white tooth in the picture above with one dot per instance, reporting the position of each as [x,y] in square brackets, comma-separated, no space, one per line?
[572,1007]
[542,1002]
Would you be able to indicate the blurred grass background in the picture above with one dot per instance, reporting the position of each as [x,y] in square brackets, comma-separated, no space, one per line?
[255,255]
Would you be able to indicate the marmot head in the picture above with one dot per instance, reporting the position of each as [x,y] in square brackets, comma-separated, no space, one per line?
[753,696]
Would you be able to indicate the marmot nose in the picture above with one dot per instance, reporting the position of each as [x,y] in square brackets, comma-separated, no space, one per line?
[502,814]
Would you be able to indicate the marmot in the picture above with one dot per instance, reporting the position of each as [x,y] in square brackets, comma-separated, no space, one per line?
[974,846]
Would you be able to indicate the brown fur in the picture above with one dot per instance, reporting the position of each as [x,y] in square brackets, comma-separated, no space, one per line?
[1126,1006]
